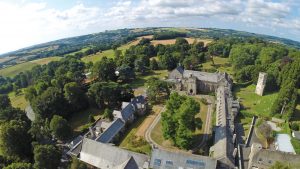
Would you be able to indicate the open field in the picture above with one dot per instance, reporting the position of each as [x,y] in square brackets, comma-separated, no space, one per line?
[221,64]
[157,134]
[108,53]
[252,103]
[141,79]
[18,101]
[5,59]
[80,120]
[172,41]
[16,69]
[132,141]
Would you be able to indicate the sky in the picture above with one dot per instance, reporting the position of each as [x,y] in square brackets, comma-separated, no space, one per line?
[27,22]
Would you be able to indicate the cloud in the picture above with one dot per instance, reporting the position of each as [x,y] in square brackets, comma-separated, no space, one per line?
[29,23]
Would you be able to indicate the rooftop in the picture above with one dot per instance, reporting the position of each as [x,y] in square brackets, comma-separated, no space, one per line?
[115,127]
[110,157]
[161,159]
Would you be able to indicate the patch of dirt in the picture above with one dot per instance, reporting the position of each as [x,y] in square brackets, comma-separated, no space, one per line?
[147,122]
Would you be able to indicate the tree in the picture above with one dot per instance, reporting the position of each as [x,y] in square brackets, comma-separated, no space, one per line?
[91,118]
[168,61]
[75,96]
[77,164]
[111,94]
[153,64]
[157,89]
[140,65]
[19,166]
[126,73]
[4,101]
[15,140]
[49,103]
[178,121]
[60,128]
[46,157]
[104,70]
[40,129]
[108,114]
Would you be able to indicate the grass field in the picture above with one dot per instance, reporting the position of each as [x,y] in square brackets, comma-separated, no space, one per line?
[172,41]
[133,142]
[221,64]
[108,53]
[80,120]
[18,101]
[252,103]
[142,79]
[16,69]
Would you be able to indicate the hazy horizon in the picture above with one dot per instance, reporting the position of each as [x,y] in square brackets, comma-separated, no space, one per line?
[30,22]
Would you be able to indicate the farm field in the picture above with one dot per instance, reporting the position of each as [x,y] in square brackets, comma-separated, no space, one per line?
[16,69]
[172,41]
[108,53]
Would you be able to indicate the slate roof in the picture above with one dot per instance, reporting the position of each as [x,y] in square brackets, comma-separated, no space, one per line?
[115,127]
[203,76]
[161,159]
[127,112]
[180,69]
[138,101]
[110,157]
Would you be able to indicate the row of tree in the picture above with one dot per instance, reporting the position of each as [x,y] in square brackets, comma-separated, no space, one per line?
[179,122]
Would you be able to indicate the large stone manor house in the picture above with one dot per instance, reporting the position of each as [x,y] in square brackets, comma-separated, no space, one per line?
[194,82]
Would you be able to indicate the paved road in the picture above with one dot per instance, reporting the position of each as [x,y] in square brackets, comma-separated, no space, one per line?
[207,129]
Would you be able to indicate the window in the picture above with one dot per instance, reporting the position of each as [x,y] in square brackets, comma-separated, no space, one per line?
[157,162]
[195,163]
[169,162]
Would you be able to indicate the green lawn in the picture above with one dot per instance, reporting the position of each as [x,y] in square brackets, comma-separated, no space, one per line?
[221,64]
[18,101]
[252,103]
[134,143]
[141,79]
[108,53]
[80,120]
[16,69]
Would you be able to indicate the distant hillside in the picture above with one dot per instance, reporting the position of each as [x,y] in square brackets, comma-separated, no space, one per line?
[105,40]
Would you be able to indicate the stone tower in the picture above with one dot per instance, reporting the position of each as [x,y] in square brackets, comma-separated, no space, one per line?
[261,83]
[191,84]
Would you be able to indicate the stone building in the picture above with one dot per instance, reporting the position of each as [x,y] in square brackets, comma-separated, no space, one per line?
[195,82]
[261,83]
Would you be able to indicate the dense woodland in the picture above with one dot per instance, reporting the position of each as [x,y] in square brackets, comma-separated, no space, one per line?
[59,89]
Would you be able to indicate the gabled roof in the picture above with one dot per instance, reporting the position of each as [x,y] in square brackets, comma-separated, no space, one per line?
[111,131]
[127,112]
[129,164]
[138,101]
[180,69]
[110,157]
[203,76]
[161,159]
